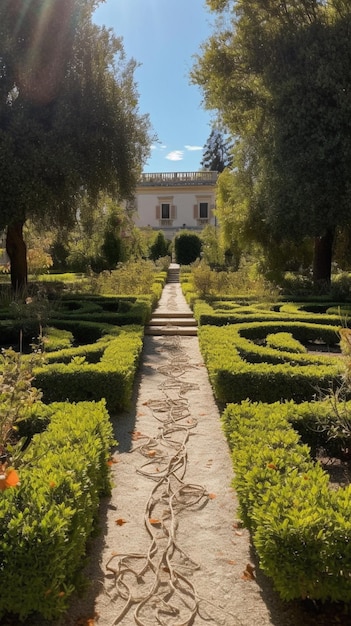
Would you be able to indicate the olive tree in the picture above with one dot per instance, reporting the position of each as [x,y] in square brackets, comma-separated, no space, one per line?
[70,126]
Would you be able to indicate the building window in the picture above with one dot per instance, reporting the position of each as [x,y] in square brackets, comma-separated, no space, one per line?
[203,210]
[165,211]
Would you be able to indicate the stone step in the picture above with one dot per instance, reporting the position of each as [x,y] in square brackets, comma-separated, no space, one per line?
[174,321]
[172,314]
[184,331]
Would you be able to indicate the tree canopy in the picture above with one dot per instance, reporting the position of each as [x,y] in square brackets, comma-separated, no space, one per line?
[217,152]
[69,119]
[279,74]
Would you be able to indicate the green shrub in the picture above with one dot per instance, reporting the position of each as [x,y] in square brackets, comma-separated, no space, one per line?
[111,378]
[187,247]
[301,528]
[56,339]
[159,247]
[46,521]
[285,342]
[238,369]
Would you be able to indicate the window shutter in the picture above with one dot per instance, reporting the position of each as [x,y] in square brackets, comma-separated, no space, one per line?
[196,211]
[158,210]
[173,212]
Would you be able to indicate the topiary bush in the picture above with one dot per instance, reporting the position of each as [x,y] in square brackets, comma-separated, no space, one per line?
[187,247]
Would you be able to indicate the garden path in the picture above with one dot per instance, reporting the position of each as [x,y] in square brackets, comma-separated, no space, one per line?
[172,514]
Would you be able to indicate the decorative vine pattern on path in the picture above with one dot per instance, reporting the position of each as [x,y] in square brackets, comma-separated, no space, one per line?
[157,585]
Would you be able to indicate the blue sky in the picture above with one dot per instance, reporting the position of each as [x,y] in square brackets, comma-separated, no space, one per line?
[163,36]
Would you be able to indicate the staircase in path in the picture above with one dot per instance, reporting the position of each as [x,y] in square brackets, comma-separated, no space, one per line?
[164,321]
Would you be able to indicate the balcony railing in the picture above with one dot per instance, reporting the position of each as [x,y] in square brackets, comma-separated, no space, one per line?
[170,179]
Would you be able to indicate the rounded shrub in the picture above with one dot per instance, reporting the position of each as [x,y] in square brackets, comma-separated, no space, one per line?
[187,247]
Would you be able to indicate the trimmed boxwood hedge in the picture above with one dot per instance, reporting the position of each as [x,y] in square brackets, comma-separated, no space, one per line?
[240,369]
[46,521]
[111,378]
[301,528]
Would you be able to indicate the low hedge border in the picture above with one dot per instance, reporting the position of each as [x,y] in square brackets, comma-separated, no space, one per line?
[285,342]
[45,522]
[234,380]
[206,314]
[301,529]
[111,378]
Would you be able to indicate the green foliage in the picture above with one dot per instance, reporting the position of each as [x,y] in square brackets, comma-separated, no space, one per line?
[66,132]
[187,247]
[132,277]
[217,152]
[208,282]
[56,339]
[212,251]
[17,396]
[239,368]
[285,342]
[46,521]
[160,247]
[111,378]
[277,73]
[300,527]
[111,247]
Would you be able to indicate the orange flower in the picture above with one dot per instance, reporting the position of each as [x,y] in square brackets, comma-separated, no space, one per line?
[9,478]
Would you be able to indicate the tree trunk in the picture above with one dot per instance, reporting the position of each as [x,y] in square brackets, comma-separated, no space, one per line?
[17,251]
[322,259]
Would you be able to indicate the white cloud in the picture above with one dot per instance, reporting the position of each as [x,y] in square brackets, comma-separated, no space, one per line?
[175,155]
[191,148]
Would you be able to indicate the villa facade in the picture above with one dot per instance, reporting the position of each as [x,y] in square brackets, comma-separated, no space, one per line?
[171,201]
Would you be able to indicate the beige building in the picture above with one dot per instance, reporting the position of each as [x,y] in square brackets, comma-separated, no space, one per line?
[171,201]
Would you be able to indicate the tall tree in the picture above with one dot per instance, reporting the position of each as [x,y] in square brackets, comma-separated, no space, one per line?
[280,75]
[217,152]
[69,118]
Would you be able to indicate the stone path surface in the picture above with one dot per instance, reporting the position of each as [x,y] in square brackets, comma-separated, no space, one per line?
[170,550]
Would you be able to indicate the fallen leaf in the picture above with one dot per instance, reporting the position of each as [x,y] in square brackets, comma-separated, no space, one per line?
[154,521]
[249,572]
[112,461]
[211,496]
[151,453]
[237,532]
[120,521]
[136,434]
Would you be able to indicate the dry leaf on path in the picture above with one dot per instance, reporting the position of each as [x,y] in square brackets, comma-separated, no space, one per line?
[120,521]
[249,572]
